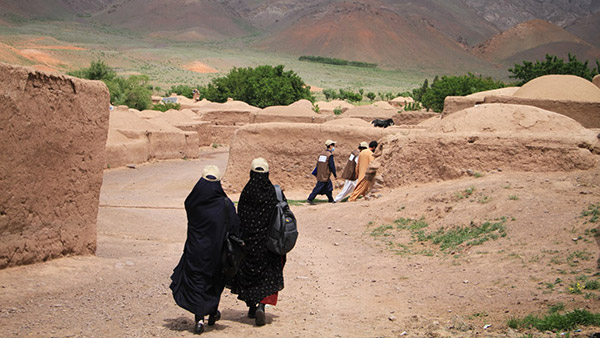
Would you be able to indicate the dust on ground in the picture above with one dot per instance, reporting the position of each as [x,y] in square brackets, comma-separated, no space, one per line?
[345,278]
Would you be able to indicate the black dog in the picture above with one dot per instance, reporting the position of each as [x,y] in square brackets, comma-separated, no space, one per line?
[382,123]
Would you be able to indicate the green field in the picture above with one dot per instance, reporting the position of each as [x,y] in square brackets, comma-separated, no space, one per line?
[163,60]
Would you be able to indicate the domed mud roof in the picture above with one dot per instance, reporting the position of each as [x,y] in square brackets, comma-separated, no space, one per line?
[511,119]
[560,87]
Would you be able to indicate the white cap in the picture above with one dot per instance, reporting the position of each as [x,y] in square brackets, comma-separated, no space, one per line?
[364,145]
[260,165]
[211,173]
[329,142]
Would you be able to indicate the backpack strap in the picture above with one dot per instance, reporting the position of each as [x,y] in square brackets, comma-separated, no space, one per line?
[227,221]
[278,192]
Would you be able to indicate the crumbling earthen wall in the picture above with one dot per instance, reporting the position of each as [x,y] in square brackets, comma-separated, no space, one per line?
[412,118]
[429,157]
[291,150]
[486,138]
[586,113]
[133,139]
[53,130]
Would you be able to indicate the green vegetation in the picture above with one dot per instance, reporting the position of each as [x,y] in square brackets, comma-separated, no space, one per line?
[337,62]
[433,97]
[183,90]
[412,106]
[555,321]
[342,94]
[164,106]
[593,211]
[337,110]
[261,87]
[371,96]
[553,65]
[465,193]
[133,91]
[445,239]
[470,235]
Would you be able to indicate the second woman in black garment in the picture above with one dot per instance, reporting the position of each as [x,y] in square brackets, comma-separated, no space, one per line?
[260,277]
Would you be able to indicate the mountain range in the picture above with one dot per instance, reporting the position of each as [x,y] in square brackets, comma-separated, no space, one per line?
[454,34]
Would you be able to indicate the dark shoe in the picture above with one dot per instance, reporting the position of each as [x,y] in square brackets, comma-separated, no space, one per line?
[332,202]
[311,202]
[212,319]
[252,311]
[260,315]
[199,328]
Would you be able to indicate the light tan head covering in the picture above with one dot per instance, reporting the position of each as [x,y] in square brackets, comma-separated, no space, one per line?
[329,142]
[260,165]
[211,173]
[364,145]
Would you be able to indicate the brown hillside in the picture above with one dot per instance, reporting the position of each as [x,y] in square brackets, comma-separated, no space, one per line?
[173,19]
[531,35]
[583,52]
[53,9]
[587,28]
[384,37]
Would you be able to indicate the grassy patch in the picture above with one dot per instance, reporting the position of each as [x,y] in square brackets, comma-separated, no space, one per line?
[465,193]
[513,197]
[593,212]
[556,321]
[469,235]
[442,239]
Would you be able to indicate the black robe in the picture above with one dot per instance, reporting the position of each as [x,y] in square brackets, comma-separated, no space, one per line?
[261,271]
[197,281]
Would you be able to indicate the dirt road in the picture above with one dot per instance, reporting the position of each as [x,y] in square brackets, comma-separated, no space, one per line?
[341,280]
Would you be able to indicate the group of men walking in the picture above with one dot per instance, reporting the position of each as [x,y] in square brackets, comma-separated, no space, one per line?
[355,173]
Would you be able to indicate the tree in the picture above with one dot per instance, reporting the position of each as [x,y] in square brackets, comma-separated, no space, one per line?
[98,70]
[134,91]
[371,96]
[262,86]
[329,94]
[433,98]
[553,65]
[418,92]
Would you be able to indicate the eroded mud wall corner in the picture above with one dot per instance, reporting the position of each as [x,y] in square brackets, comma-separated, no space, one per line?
[53,131]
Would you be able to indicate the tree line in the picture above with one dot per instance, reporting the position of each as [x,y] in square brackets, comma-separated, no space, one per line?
[265,86]
[337,62]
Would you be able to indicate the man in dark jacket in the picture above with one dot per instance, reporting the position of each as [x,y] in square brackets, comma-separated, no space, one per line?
[349,173]
[325,167]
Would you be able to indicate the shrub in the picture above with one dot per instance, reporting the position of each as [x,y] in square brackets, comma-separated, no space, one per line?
[329,94]
[371,96]
[337,110]
[134,91]
[182,90]
[164,106]
[262,86]
[553,65]
[433,98]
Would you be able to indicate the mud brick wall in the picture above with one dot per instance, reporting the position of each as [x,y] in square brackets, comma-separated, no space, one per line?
[53,131]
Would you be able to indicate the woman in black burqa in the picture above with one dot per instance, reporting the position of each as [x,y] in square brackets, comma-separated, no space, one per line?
[261,272]
[197,281]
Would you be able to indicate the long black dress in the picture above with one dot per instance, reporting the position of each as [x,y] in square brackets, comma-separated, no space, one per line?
[197,281]
[261,271]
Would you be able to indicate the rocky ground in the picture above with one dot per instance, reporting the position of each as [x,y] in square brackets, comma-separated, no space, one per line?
[350,274]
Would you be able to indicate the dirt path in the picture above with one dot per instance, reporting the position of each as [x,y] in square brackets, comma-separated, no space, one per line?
[341,279]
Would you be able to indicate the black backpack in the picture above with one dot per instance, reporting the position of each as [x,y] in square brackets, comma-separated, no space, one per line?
[284,231]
